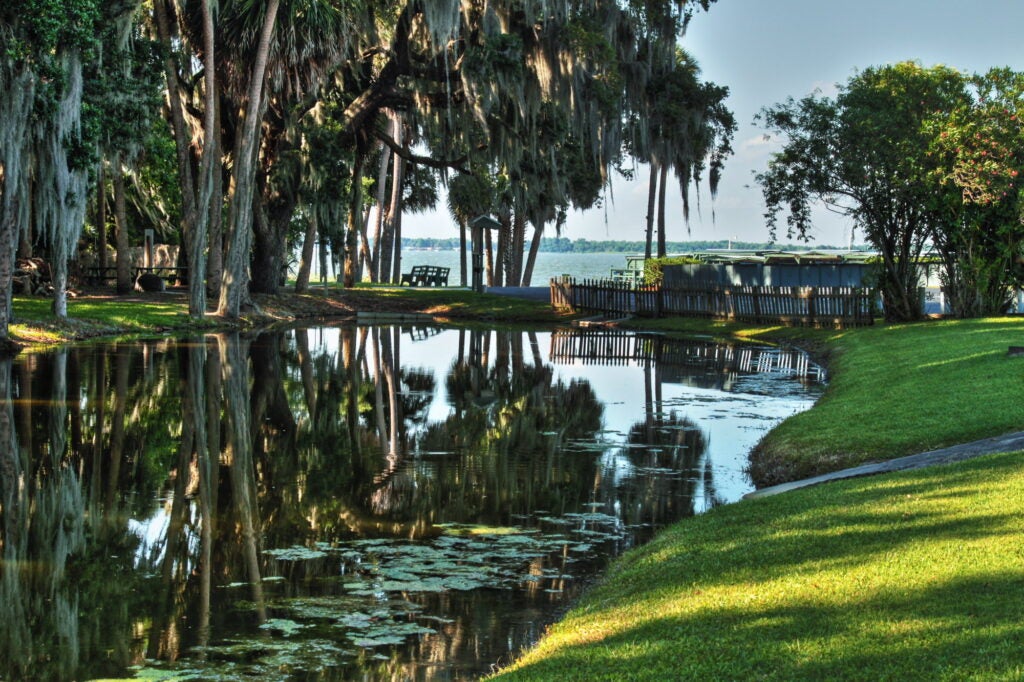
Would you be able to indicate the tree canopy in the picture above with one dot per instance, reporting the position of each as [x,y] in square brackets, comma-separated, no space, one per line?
[268,103]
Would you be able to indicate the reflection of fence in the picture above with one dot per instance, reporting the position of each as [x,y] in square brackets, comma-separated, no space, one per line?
[610,347]
[813,306]
[422,333]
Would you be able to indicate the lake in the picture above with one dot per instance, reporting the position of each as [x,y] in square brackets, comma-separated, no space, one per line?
[548,265]
[341,501]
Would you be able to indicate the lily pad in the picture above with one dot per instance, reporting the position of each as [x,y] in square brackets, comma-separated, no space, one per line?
[283,625]
[295,553]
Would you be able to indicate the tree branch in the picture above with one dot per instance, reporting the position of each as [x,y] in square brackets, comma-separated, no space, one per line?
[457,163]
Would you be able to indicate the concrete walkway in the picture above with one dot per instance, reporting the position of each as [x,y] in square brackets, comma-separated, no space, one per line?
[956,453]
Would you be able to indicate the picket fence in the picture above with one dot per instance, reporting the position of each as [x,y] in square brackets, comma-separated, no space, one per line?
[807,306]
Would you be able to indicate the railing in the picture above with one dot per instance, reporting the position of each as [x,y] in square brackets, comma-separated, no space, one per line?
[809,306]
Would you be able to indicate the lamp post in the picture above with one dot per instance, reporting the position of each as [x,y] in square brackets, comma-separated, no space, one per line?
[478,225]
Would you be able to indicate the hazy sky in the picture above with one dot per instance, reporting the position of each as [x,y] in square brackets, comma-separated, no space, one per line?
[765,51]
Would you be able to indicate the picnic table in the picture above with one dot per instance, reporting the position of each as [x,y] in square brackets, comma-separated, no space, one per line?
[426,276]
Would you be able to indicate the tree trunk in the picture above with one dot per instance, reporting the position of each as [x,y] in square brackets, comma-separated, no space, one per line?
[197,240]
[462,252]
[661,211]
[101,218]
[488,256]
[124,264]
[652,189]
[382,180]
[517,245]
[501,261]
[391,248]
[355,215]
[234,287]
[271,219]
[538,233]
[17,94]
[365,252]
[306,259]
[215,252]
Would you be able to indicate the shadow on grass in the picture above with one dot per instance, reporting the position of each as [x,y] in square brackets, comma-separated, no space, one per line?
[887,578]
[968,628]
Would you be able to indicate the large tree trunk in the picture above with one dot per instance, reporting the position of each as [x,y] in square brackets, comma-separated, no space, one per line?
[196,193]
[390,252]
[101,217]
[306,259]
[234,287]
[208,168]
[17,92]
[382,181]
[124,265]
[270,221]
[215,253]
[355,215]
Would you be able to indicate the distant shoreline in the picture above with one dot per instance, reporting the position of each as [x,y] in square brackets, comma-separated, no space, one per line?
[563,245]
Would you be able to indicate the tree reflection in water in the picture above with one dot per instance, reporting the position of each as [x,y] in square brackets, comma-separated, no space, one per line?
[223,502]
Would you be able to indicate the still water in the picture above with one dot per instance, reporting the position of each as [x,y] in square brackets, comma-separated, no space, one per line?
[349,502]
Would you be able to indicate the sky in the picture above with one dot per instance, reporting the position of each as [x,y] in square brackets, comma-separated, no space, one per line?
[765,51]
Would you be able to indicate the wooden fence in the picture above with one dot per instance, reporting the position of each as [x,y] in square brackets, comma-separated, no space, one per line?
[809,306]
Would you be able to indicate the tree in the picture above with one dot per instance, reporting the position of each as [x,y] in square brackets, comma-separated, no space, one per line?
[234,286]
[123,96]
[979,225]
[682,125]
[198,201]
[865,154]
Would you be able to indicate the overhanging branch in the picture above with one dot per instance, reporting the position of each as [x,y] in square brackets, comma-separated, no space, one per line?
[403,152]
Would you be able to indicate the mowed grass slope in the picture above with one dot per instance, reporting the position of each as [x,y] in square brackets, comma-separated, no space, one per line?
[902,389]
[911,576]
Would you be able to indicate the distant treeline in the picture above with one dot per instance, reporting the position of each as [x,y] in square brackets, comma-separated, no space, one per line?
[564,245]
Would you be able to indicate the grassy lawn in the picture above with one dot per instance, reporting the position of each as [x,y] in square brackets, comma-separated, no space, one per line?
[90,317]
[918,575]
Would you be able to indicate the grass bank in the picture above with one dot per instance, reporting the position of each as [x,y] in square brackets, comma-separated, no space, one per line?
[918,575]
[102,314]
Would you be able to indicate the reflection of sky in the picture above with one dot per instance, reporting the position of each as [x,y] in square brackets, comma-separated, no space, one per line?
[732,422]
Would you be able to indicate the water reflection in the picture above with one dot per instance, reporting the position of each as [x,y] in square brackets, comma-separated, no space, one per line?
[385,502]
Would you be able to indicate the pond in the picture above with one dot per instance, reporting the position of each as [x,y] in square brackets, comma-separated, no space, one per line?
[339,502]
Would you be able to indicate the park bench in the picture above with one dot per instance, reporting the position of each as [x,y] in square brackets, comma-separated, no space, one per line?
[426,276]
